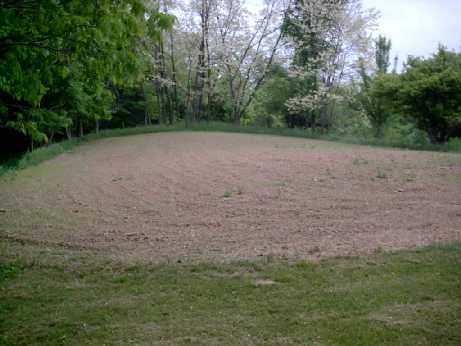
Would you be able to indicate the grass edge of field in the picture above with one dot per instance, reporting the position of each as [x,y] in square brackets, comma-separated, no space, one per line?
[401,297]
[48,152]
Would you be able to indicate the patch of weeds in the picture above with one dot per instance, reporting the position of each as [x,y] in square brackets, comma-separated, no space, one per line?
[272,183]
[379,250]
[8,271]
[410,178]
[281,183]
[357,161]
[227,194]
[330,174]
[237,190]
[380,173]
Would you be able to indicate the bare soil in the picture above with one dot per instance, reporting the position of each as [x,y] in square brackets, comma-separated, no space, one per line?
[200,196]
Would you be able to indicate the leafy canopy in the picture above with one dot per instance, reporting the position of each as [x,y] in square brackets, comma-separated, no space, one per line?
[429,91]
[61,60]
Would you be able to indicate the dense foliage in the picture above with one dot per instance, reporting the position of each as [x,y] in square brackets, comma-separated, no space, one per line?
[69,66]
[372,104]
[428,91]
[63,61]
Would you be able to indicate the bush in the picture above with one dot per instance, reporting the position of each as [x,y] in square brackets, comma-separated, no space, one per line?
[429,91]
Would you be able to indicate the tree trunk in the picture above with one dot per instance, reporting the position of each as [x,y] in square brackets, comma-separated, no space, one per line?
[437,135]
[201,65]
[174,109]
[146,107]
[97,126]
[69,133]
[165,93]
[189,93]
[80,128]
[199,79]
[236,115]
[208,72]
[379,131]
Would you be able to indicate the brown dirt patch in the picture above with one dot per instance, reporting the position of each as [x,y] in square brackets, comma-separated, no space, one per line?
[264,282]
[221,196]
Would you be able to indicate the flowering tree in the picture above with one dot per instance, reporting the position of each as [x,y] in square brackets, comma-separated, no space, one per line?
[327,38]
[228,50]
[247,50]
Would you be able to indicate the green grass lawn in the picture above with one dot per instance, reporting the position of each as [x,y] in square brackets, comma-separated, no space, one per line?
[408,297]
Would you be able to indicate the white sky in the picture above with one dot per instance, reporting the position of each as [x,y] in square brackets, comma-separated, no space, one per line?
[416,27]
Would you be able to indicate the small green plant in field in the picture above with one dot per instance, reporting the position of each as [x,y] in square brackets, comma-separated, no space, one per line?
[410,178]
[8,271]
[379,250]
[380,174]
[280,183]
[357,161]
[227,194]
[237,190]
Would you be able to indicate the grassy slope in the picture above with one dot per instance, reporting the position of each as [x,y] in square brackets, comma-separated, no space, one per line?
[407,297]
[45,153]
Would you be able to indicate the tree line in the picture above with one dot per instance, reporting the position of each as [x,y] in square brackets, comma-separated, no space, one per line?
[72,66]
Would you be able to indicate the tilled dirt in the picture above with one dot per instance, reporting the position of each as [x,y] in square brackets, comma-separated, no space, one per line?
[220,196]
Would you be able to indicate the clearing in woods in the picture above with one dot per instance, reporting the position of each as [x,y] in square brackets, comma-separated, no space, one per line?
[194,196]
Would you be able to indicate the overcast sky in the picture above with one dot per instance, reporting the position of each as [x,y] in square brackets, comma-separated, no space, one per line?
[416,27]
